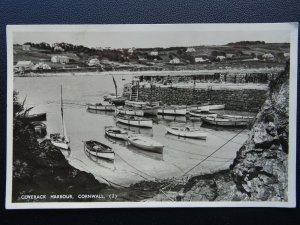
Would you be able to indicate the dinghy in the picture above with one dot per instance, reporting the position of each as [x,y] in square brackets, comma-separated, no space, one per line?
[135,103]
[172,110]
[225,121]
[134,121]
[111,96]
[116,132]
[145,143]
[188,132]
[101,107]
[129,111]
[201,114]
[61,140]
[99,150]
[237,117]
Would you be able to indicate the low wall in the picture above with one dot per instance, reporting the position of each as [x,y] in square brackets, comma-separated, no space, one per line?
[241,100]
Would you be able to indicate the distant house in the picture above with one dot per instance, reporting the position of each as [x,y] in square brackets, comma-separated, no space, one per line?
[189,50]
[268,57]
[175,61]
[221,57]
[26,47]
[60,59]
[200,60]
[286,55]
[130,51]
[94,62]
[154,53]
[41,66]
[24,65]
[230,55]
[58,49]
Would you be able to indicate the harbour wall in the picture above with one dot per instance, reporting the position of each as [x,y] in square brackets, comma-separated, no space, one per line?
[234,99]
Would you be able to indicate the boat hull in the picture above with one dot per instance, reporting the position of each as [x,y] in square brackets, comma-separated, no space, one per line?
[135,103]
[138,123]
[225,122]
[99,154]
[131,112]
[157,149]
[191,134]
[171,111]
[110,108]
[61,145]
[201,115]
[110,133]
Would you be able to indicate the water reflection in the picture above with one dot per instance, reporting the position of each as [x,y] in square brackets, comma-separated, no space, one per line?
[106,113]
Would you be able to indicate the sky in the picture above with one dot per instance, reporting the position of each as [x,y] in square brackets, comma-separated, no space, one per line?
[149,37]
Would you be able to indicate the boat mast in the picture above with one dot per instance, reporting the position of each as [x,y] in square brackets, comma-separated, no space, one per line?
[62,111]
[116,88]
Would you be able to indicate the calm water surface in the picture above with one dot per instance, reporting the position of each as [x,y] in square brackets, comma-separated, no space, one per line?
[131,164]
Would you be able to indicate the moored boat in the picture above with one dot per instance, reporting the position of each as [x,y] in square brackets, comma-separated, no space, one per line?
[136,103]
[99,150]
[116,132]
[200,113]
[135,121]
[237,117]
[145,143]
[111,96]
[188,132]
[118,101]
[101,107]
[225,121]
[130,111]
[214,107]
[172,110]
[150,110]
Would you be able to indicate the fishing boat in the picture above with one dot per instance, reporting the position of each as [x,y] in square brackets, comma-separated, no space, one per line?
[213,107]
[136,103]
[172,110]
[150,110]
[145,143]
[134,121]
[201,114]
[225,121]
[101,107]
[99,150]
[237,117]
[36,117]
[111,96]
[61,140]
[116,132]
[129,111]
[188,132]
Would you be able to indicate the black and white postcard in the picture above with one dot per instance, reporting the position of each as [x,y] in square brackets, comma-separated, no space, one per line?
[165,115]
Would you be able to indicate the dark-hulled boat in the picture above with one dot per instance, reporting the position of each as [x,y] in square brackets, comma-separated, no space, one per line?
[37,117]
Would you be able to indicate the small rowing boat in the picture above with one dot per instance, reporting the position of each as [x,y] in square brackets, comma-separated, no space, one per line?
[145,143]
[201,114]
[225,121]
[100,107]
[237,117]
[116,132]
[188,132]
[111,96]
[172,110]
[129,111]
[134,121]
[99,150]
[135,103]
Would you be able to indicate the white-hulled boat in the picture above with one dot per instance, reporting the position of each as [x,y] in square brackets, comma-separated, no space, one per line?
[215,107]
[116,132]
[225,121]
[130,111]
[150,110]
[172,110]
[201,114]
[135,121]
[188,132]
[237,117]
[136,103]
[145,143]
[61,140]
[100,107]
[99,150]
[109,97]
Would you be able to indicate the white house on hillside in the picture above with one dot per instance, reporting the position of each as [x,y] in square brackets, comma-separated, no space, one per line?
[24,65]
[154,53]
[200,60]
[26,47]
[221,57]
[189,50]
[60,59]
[94,62]
[175,61]
[268,57]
